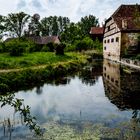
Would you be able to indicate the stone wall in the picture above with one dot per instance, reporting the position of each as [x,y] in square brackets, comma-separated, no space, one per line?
[131,62]
[129,44]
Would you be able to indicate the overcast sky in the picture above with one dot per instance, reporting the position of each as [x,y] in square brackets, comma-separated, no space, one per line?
[74,9]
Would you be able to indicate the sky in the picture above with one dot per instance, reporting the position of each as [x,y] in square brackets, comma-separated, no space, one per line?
[74,9]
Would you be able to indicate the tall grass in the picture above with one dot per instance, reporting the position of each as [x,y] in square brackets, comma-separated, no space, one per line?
[35,59]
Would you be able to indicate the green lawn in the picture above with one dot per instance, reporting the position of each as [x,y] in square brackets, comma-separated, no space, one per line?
[35,59]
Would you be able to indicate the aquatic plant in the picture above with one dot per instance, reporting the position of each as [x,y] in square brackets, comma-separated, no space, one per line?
[24,111]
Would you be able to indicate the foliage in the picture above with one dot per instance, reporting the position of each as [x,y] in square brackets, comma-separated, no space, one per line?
[69,47]
[51,46]
[23,110]
[2,27]
[71,33]
[86,23]
[34,26]
[35,59]
[15,47]
[53,25]
[45,48]
[59,49]
[2,45]
[30,77]
[85,44]
[16,22]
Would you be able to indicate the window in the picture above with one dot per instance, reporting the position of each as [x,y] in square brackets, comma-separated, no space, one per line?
[104,48]
[108,28]
[112,40]
[117,39]
[104,41]
[108,41]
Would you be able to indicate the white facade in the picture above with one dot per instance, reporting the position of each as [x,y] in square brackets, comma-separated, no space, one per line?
[111,41]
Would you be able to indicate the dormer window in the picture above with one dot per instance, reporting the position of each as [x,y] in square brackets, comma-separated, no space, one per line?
[124,24]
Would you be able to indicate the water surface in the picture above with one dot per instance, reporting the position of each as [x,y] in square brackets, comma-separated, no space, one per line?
[99,102]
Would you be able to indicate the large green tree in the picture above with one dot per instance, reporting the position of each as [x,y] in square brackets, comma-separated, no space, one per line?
[2,27]
[86,23]
[71,33]
[16,23]
[54,25]
[34,27]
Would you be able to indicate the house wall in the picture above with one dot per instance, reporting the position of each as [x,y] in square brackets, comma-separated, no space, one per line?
[129,44]
[111,41]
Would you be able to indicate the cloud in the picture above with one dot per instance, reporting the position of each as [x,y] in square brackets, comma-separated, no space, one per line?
[37,4]
[21,4]
[74,9]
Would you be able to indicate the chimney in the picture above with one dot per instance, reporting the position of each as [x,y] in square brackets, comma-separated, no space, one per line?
[124,24]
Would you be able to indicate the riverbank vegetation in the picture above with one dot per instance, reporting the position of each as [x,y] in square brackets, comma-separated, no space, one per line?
[20,52]
[37,59]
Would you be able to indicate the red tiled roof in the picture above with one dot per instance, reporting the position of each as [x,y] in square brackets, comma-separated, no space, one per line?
[129,13]
[96,30]
[40,40]
[45,40]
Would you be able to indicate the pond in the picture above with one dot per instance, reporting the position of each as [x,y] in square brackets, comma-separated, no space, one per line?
[100,102]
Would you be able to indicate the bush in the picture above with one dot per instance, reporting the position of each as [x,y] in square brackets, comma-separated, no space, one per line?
[85,44]
[45,48]
[16,47]
[81,45]
[70,48]
[34,48]
[1,47]
[59,49]
[51,47]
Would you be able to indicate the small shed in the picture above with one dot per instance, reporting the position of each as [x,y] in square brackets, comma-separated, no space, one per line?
[97,33]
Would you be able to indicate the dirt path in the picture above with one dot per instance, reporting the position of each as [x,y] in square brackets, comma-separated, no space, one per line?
[21,69]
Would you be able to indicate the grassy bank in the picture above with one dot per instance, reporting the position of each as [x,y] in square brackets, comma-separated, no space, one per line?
[37,59]
[30,77]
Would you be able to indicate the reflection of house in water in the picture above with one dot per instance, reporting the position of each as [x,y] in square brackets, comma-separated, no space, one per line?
[122,88]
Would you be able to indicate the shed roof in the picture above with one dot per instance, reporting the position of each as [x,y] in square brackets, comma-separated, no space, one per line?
[45,39]
[96,30]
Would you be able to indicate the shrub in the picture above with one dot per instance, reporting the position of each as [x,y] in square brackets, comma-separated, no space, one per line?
[59,49]
[85,44]
[2,47]
[16,47]
[51,46]
[81,45]
[45,48]
[34,48]
[70,48]
[89,42]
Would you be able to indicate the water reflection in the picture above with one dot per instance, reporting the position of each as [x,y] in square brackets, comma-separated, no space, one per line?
[97,103]
[122,85]
[122,88]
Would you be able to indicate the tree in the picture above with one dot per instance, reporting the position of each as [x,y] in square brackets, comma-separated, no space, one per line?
[2,27]
[34,25]
[54,25]
[16,22]
[71,33]
[44,27]
[86,23]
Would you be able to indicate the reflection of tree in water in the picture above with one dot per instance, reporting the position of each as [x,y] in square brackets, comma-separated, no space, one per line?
[61,81]
[39,90]
[90,75]
[23,110]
